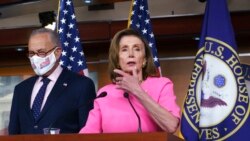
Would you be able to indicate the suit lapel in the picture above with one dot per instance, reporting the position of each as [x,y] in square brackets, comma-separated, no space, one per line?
[27,91]
[56,92]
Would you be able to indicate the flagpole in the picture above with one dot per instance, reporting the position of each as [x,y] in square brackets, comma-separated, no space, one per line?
[57,17]
[130,13]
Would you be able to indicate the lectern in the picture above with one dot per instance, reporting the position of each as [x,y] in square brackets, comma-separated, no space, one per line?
[156,136]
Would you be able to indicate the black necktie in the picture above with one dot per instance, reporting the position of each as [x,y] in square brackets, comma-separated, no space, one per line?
[36,107]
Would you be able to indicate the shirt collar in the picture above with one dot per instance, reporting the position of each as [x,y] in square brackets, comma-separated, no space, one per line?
[54,75]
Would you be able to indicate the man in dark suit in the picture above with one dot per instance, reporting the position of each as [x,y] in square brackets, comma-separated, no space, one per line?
[63,102]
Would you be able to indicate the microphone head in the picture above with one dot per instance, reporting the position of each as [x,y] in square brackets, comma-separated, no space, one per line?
[102,94]
[201,0]
[126,95]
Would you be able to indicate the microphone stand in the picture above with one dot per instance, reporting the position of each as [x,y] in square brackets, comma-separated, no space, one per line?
[126,95]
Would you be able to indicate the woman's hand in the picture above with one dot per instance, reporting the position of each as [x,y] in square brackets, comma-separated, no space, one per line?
[131,83]
[128,82]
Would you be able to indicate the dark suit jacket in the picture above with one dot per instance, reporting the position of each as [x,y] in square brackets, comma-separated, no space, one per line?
[67,106]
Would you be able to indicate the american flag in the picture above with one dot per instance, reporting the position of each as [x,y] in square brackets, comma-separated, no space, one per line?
[72,55]
[139,20]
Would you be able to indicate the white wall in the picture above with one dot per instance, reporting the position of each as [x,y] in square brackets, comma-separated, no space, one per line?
[5,103]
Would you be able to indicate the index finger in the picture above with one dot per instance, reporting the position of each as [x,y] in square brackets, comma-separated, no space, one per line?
[120,72]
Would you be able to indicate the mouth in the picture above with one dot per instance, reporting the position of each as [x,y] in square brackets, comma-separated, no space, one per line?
[131,63]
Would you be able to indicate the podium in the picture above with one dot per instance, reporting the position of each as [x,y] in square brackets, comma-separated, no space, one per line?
[155,136]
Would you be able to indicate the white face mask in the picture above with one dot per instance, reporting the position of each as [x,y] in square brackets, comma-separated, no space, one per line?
[42,65]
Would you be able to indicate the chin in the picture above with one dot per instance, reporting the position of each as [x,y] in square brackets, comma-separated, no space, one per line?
[131,70]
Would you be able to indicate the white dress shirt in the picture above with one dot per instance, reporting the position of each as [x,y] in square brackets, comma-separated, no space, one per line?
[53,77]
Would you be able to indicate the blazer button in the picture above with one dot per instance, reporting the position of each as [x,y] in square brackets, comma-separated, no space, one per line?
[36,126]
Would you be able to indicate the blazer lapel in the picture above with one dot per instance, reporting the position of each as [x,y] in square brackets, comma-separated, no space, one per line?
[56,92]
[27,91]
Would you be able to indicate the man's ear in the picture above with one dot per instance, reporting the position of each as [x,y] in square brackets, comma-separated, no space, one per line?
[58,52]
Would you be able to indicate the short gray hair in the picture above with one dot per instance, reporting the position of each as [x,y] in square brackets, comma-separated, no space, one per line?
[53,35]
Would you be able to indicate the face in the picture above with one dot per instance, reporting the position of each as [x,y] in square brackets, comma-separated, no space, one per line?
[40,53]
[41,44]
[131,54]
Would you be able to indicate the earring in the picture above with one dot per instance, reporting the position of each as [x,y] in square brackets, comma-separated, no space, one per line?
[143,64]
[118,66]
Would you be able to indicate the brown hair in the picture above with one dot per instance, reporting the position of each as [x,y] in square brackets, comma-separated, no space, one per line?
[148,70]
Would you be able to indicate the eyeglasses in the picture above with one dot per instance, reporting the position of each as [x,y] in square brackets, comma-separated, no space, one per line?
[40,53]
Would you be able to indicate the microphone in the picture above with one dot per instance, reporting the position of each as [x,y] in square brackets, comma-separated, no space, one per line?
[201,0]
[101,95]
[126,95]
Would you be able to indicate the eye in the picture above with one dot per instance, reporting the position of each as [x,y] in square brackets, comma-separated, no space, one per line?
[123,49]
[30,54]
[137,48]
[41,53]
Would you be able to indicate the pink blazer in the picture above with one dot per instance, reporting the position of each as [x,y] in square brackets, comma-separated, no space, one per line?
[113,113]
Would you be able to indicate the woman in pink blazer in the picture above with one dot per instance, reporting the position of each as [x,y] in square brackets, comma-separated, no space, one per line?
[138,100]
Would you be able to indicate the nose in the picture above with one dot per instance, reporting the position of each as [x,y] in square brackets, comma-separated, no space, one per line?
[131,53]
